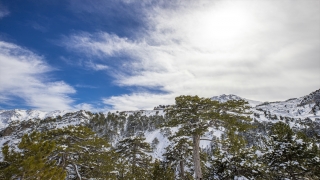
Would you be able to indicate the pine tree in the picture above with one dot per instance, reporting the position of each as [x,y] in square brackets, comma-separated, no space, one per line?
[82,151]
[134,151]
[234,159]
[154,143]
[33,160]
[72,151]
[195,115]
[291,155]
[179,155]
[161,172]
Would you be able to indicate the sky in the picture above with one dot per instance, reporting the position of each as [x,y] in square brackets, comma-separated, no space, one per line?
[137,54]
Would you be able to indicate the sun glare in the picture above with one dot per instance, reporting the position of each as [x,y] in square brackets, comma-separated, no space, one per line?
[218,28]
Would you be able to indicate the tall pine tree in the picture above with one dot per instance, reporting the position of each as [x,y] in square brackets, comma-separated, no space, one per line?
[32,161]
[291,155]
[179,155]
[133,150]
[72,151]
[194,115]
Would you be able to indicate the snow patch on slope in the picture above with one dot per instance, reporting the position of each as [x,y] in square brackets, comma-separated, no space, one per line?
[8,116]
[228,97]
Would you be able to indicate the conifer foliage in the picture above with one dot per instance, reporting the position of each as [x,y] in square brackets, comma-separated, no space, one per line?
[179,155]
[73,151]
[161,172]
[237,148]
[133,152]
[195,115]
[33,162]
[290,154]
[233,158]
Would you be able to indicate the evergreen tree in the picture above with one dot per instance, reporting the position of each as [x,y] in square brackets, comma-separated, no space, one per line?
[133,151]
[179,155]
[82,151]
[72,151]
[161,172]
[154,143]
[234,159]
[32,162]
[291,155]
[195,115]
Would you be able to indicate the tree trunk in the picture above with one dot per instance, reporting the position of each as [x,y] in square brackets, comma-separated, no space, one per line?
[196,157]
[134,158]
[181,170]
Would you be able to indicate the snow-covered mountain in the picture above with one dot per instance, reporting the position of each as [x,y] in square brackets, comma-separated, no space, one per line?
[306,106]
[302,114]
[8,116]
[303,107]
[227,97]
[299,113]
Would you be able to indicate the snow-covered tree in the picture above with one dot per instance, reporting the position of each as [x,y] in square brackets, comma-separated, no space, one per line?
[161,172]
[291,155]
[232,158]
[194,115]
[74,151]
[179,155]
[32,162]
[133,151]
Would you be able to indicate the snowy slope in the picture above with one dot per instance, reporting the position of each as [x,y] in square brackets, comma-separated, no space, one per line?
[289,108]
[298,108]
[16,123]
[227,97]
[8,116]
[295,108]
[298,112]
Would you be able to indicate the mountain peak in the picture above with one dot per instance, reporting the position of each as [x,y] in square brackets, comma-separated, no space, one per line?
[313,97]
[226,97]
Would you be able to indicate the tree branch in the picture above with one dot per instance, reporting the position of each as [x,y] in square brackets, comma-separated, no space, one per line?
[76,168]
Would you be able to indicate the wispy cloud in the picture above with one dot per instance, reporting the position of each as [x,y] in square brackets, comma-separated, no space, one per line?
[38,27]
[264,50]
[23,74]
[86,64]
[96,66]
[138,101]
[3,11]
[85,86]
[85,106]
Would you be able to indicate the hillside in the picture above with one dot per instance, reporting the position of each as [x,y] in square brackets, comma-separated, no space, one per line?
[301,114]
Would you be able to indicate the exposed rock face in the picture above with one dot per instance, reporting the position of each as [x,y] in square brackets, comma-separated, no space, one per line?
[313,97]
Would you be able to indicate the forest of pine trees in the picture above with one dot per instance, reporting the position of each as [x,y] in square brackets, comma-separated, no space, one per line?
[85,152]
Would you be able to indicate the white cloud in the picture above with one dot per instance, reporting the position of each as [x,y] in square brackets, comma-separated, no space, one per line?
[96,66]
[138,101]
[3,11]
[100,44]
[264,50]
[23,75]
[85,86]
[85,106]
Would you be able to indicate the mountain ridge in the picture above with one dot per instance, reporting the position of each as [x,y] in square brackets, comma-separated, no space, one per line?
[312,99]
[119,125]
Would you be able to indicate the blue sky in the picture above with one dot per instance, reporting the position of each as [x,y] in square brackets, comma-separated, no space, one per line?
[127,55]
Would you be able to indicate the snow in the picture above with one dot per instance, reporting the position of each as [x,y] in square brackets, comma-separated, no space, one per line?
[240,178]
[299,141]
[8,116]
[163,143]
[289,108]
[259,153]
